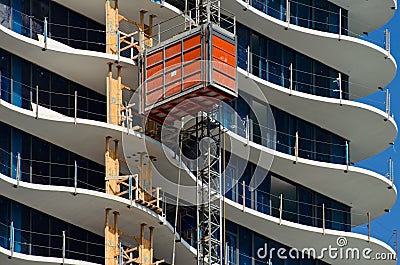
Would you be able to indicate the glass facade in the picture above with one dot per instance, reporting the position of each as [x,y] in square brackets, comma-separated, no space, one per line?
[320,15]
[242,244]
[271,61]
[39,234]
[45,163]
[247,247]
[26,17]
[300,204]
[315,143]
[18,81]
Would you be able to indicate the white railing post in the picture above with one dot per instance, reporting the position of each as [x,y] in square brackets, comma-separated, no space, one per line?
[296,147]
[291,79]
[340,23]
[387,104]
[339,82]
[132,49]
[45,33]
[347,157]
[75,177]
[280,208]
[244,195]
[248,60]
[136,187]
[247,123]
[287,13]
[119,45]
[18,169]
[369,226]
[12,239]
[130,190]
[387,40]
[75,106]
[391,171]
[323,219]
[120,258]
[63,247]
[159,33]
[37,102]
[158,197]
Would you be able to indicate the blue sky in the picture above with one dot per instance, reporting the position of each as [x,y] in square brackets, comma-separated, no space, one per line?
[383,227]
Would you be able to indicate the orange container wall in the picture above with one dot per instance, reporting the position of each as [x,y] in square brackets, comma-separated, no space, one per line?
[184,61]
[224,62]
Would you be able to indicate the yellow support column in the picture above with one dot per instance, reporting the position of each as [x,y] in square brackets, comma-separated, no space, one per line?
[112,25]
[112,167]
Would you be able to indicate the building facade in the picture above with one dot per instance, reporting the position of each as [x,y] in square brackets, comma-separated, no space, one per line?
[95,170]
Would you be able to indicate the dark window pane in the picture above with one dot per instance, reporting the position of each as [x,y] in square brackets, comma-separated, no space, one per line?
[60,169]
[60,96]
[5,149]
[41,158]
[41,79]
[96,36]
[40,10]
[5,75]
[59,23]
[40,231]
[20,17]
[4,222]
[77,31]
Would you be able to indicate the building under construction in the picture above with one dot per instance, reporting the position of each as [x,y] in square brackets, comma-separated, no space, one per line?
[192,132]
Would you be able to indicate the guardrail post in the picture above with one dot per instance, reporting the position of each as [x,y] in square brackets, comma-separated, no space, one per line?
[63,247]
[247,123]
[291,79]
[391,171]
[347,157]
[244,195]
[120,258]
[369,226]
[18,169]
[248,60]
[387,40]
[45,33]
[339,83]
[287,14]
[75,106]
[132,42]
[75,177]
[130,190]
[296,147]
[37,102]
[340,23]
[158,197]
[137,187]
[280,208]
[118,45]
[159,34]
[387,104]
[12,239]
[30,27]
[323,219]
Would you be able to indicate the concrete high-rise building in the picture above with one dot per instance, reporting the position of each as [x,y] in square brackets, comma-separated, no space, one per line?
[193,132]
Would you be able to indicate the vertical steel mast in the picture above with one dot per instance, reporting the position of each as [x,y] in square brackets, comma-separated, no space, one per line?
[209,202]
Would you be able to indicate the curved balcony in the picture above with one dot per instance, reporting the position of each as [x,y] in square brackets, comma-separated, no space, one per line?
[62,131]
[347,17]
[75,61]
[24,259]
[61,203]
[345,55]
[95,64]
[372,122]
[299,236]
